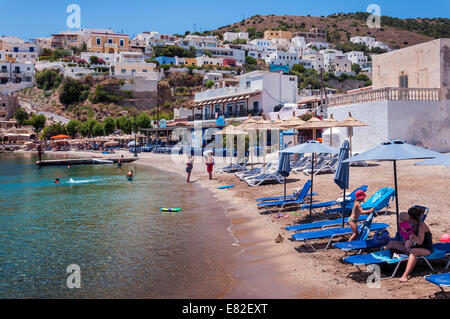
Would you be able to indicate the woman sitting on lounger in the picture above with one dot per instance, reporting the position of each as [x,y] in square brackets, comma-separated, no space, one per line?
[421,237]
[356,212]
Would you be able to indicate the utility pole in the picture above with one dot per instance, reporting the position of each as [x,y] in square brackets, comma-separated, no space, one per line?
[321,93]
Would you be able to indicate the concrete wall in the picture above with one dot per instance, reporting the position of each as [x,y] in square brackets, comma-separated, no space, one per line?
[417,122]
[421,63]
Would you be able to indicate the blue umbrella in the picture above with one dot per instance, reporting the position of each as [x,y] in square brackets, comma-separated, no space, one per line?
[342,172]
[311,147]
[441,160]
[394,150]
[284,168]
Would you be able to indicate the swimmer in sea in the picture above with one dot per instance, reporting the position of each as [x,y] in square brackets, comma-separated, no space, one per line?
[56,181]
[130,175]
[120,161]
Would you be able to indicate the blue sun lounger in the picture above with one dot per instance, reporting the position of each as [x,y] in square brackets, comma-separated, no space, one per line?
[349,200]
[384,257]
[322,224]
[440,280]
[281,204]
[365,243]
[335,232]
[288,197]
[379,201]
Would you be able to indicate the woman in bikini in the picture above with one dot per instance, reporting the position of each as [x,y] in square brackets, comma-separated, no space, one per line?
[422,238]
[356,212]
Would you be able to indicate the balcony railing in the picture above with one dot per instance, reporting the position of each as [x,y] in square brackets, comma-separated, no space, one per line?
[386,94]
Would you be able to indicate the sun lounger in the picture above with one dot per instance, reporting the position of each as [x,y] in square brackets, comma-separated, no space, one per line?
[350,199]
[240,166]
[265,178]
[384,257]
[287,197]
[440,280]
[335,232]
[326,167]
[292,202]
[364,243]
[380,200]
[322,224]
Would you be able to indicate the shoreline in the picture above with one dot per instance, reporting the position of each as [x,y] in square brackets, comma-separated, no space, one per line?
[269,270]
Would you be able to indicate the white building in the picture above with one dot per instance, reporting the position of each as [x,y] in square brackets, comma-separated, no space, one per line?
[282,58]
[205,60]
[318,45]
[257,92]
[15,76]
[199,42]
[299,41]
[154,38]
[316,60]
[369,42]
[357,57]
[107,57]
[262,44]
[224,52]
[231,36]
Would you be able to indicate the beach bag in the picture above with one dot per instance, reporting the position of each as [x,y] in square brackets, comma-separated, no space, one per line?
[382,237]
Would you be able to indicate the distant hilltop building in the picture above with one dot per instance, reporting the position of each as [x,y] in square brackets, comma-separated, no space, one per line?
[313,35]
[273,34]
[370,42]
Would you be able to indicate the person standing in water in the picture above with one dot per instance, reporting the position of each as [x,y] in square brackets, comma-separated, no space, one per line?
[40,152]
[210,165]
[120,161]
[130,175]
[189,167]
[56,181]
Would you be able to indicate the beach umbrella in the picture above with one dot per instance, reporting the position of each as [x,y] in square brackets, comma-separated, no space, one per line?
[394,150]
[284,168]
[311,147]
[133,143]
[59,137]
[315,124]
[244,126]
[351,122]
[333,123]
[264,125]
[293,123]
[342,173]
[443,160]
[230,130]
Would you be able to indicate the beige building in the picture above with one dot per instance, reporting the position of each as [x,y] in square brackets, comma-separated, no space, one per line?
[8,105]
[271,34]
[105,42]
[425,65]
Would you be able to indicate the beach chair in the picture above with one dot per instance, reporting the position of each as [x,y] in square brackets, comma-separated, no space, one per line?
[364,243]
[307,165]
[242,175]
[240,166]
[384,257]
[291,202]
[324,168]
[332,233]
[380,200]
[322,224]
[257,180]
[440,280]
[350,199]
[294,196]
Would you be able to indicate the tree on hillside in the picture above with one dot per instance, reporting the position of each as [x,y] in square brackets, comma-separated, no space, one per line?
[70,91]
[52,130]
[109,125]
[38,122]
[73,128]
[48,79]
[356,68]
[20,115]
[143,121]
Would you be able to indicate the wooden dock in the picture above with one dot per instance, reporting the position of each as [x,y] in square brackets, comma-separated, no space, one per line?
[83,161]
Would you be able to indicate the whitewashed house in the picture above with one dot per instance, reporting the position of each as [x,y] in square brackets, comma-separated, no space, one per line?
[357,57]
[231,36]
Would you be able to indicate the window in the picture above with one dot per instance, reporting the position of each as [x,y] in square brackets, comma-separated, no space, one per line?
[403,81]
[99,41]
[110,40]
[123,71]
[121,42]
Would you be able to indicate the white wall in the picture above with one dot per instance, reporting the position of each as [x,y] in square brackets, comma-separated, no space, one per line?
[427,122]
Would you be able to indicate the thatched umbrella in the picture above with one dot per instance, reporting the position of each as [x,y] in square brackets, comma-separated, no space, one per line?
[293,123]
[230,130]
[333,123]
[264,125]
[351,122]
[315,124]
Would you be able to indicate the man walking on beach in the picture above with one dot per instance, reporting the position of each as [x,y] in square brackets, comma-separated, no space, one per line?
[210,165]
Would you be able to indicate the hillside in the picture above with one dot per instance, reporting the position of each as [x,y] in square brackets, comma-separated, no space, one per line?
[397,33]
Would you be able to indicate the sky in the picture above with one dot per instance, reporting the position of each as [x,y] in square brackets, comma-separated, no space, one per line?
[40,18]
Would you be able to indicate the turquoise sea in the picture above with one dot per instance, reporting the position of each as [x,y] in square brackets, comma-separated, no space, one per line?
[112,229]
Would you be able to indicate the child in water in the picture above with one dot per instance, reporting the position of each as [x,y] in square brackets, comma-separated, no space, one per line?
[130,175]
[56,181]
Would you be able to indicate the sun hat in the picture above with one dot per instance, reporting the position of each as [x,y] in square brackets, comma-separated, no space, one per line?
[360,194]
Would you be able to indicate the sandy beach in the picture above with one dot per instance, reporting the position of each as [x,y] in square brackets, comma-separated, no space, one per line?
[267,269]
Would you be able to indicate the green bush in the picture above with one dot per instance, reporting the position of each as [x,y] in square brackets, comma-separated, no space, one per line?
[20,115]
[71,91]
[109,125]
[48,79]
[73,128]
[52,130]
